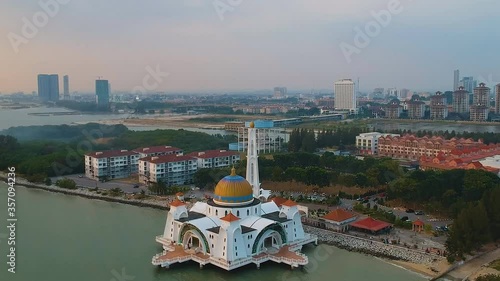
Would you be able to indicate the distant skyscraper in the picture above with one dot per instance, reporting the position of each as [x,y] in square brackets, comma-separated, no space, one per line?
[461,100]
[102,93]
[345,97]
[66,87]
[48,87]
[497,99]
[456,80]
[280,92]
[469,84]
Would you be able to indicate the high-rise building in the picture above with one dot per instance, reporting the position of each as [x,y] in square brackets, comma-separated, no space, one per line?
[48,87]
[439,109]
[416,108]
[404,94]
[345,96]
[280,92]
[468,83]
[456,80]
[461,100]
[66,87]
[497,99]
[480,107]
[393,109]
[102,93]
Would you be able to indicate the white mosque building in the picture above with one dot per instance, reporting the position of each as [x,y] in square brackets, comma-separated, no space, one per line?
[235,228]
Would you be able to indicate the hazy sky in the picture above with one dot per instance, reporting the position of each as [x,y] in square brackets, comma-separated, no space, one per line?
[256,44]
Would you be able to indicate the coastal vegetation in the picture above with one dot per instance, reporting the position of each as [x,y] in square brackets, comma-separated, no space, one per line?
[66,183]
[62,149]
[305,139]
[489,277]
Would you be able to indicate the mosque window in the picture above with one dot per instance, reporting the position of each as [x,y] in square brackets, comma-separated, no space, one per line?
[226,213]
[235,240]
[212,246]
[248,212]
[237,213]
[216,212]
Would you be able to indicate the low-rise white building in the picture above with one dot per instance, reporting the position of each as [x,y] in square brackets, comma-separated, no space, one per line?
[215,158]
[157,150]
[338,220]
[112,164]
[367,143]
[171,169]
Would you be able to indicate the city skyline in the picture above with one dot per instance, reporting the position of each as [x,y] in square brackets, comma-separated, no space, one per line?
[293,43]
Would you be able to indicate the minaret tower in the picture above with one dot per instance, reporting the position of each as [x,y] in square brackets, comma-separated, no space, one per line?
[253,161]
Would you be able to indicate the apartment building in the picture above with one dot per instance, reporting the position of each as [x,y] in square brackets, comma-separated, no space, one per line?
[171,169]
[416,109]
[367,143]
[439,109]
[157,151]
[412,148]
[393,109]
[112,164]
[215,158]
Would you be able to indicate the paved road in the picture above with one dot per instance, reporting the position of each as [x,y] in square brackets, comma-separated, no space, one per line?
[89,183]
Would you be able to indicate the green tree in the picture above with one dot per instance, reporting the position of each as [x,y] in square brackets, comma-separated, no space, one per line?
[470,230]
[48,181]
[66,183]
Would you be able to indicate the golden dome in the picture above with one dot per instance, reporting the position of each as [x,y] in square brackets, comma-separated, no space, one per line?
[233,189]
[252,124]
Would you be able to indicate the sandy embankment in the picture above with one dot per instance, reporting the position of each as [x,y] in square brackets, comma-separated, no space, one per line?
[173,120]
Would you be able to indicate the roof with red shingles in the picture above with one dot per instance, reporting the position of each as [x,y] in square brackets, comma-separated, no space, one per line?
[230,218]
[339,215]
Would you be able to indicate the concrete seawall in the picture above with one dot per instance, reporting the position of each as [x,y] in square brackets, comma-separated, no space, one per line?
[374,248]
[86,193]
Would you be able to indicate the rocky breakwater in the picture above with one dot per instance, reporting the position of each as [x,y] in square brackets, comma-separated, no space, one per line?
[374,248]
[152,202]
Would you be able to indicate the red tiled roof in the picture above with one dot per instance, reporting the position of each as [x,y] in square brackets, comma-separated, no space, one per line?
[370,224]
[177,203]
[179,194]
[339,215]
[212,154]
[157,149]
[230,218]
[166,158]
[418,223]
[110,153]
[278,201]
[289,203]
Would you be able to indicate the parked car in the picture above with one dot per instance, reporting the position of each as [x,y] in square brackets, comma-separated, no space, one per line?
[136,186]
[410,211]
[419,213]
[405,218]
[80,176]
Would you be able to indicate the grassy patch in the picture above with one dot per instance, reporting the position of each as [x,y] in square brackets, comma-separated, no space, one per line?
[495,265]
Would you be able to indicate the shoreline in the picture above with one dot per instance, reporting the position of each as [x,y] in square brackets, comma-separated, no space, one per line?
[408,259]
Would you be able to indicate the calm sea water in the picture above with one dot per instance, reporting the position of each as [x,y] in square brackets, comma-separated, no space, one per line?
[62,238]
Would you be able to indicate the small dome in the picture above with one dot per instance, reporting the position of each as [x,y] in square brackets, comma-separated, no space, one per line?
[233,190]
